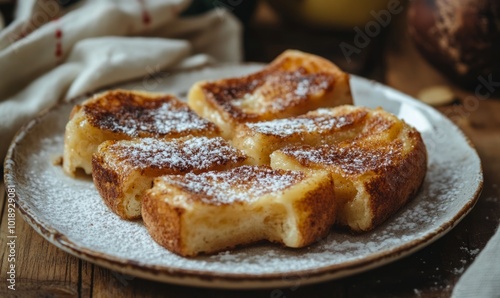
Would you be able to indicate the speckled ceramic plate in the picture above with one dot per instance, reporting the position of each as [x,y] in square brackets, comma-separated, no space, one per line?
[70,214]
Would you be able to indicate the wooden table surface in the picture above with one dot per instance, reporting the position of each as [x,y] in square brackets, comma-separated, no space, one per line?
[42,270]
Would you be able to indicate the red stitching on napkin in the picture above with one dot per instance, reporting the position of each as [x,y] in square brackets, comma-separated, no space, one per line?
[58,35]
[146,16]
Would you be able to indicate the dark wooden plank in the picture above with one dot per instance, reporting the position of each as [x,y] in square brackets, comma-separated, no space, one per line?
[108,283]
[114,284]
[3,196]
[86,279]
[485,217]
[42,270]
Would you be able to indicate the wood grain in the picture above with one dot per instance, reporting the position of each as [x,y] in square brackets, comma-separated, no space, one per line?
[86,278]
[114,284]
[41,268]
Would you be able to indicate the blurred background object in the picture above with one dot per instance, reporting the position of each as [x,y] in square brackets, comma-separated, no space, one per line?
[336,14]
[460,38]
[274,28]
[66,2]
[6,12]
[242,9]
[2,23]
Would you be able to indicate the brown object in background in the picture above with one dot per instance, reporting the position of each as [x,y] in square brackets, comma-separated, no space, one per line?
[460,38]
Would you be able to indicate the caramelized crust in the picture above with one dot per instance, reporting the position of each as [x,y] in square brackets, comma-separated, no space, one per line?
[213,211]
[121,114]
[292,84]
[351,159]
[122,170]
[280,90]
[139,114]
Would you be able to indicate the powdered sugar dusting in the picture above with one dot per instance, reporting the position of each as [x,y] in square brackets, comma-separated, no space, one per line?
[138,116]
[285,89]
[320,121]
[272,90]
[163,120]
[352,158]
[198,153]
[243,184]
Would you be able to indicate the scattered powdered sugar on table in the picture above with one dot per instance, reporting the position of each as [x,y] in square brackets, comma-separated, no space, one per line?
[471,252]
[73,208]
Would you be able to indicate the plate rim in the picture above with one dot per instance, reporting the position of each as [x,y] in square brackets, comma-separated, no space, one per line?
[194,277]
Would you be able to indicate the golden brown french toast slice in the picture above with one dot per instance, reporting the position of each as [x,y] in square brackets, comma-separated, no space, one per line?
[293,84]
[213,211]
[375,173]
[123,114]
[322,126]
[123,170]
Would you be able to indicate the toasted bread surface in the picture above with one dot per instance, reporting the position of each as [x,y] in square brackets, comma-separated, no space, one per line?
[122,170]
[294,83]
[122,114]
[213,211]
[322,126]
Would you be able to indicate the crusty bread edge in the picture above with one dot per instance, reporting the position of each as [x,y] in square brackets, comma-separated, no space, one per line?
[109,184]
[404,182]
[164,221]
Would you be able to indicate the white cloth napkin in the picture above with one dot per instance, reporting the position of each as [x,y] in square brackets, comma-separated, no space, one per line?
[482,278]
[50,53]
